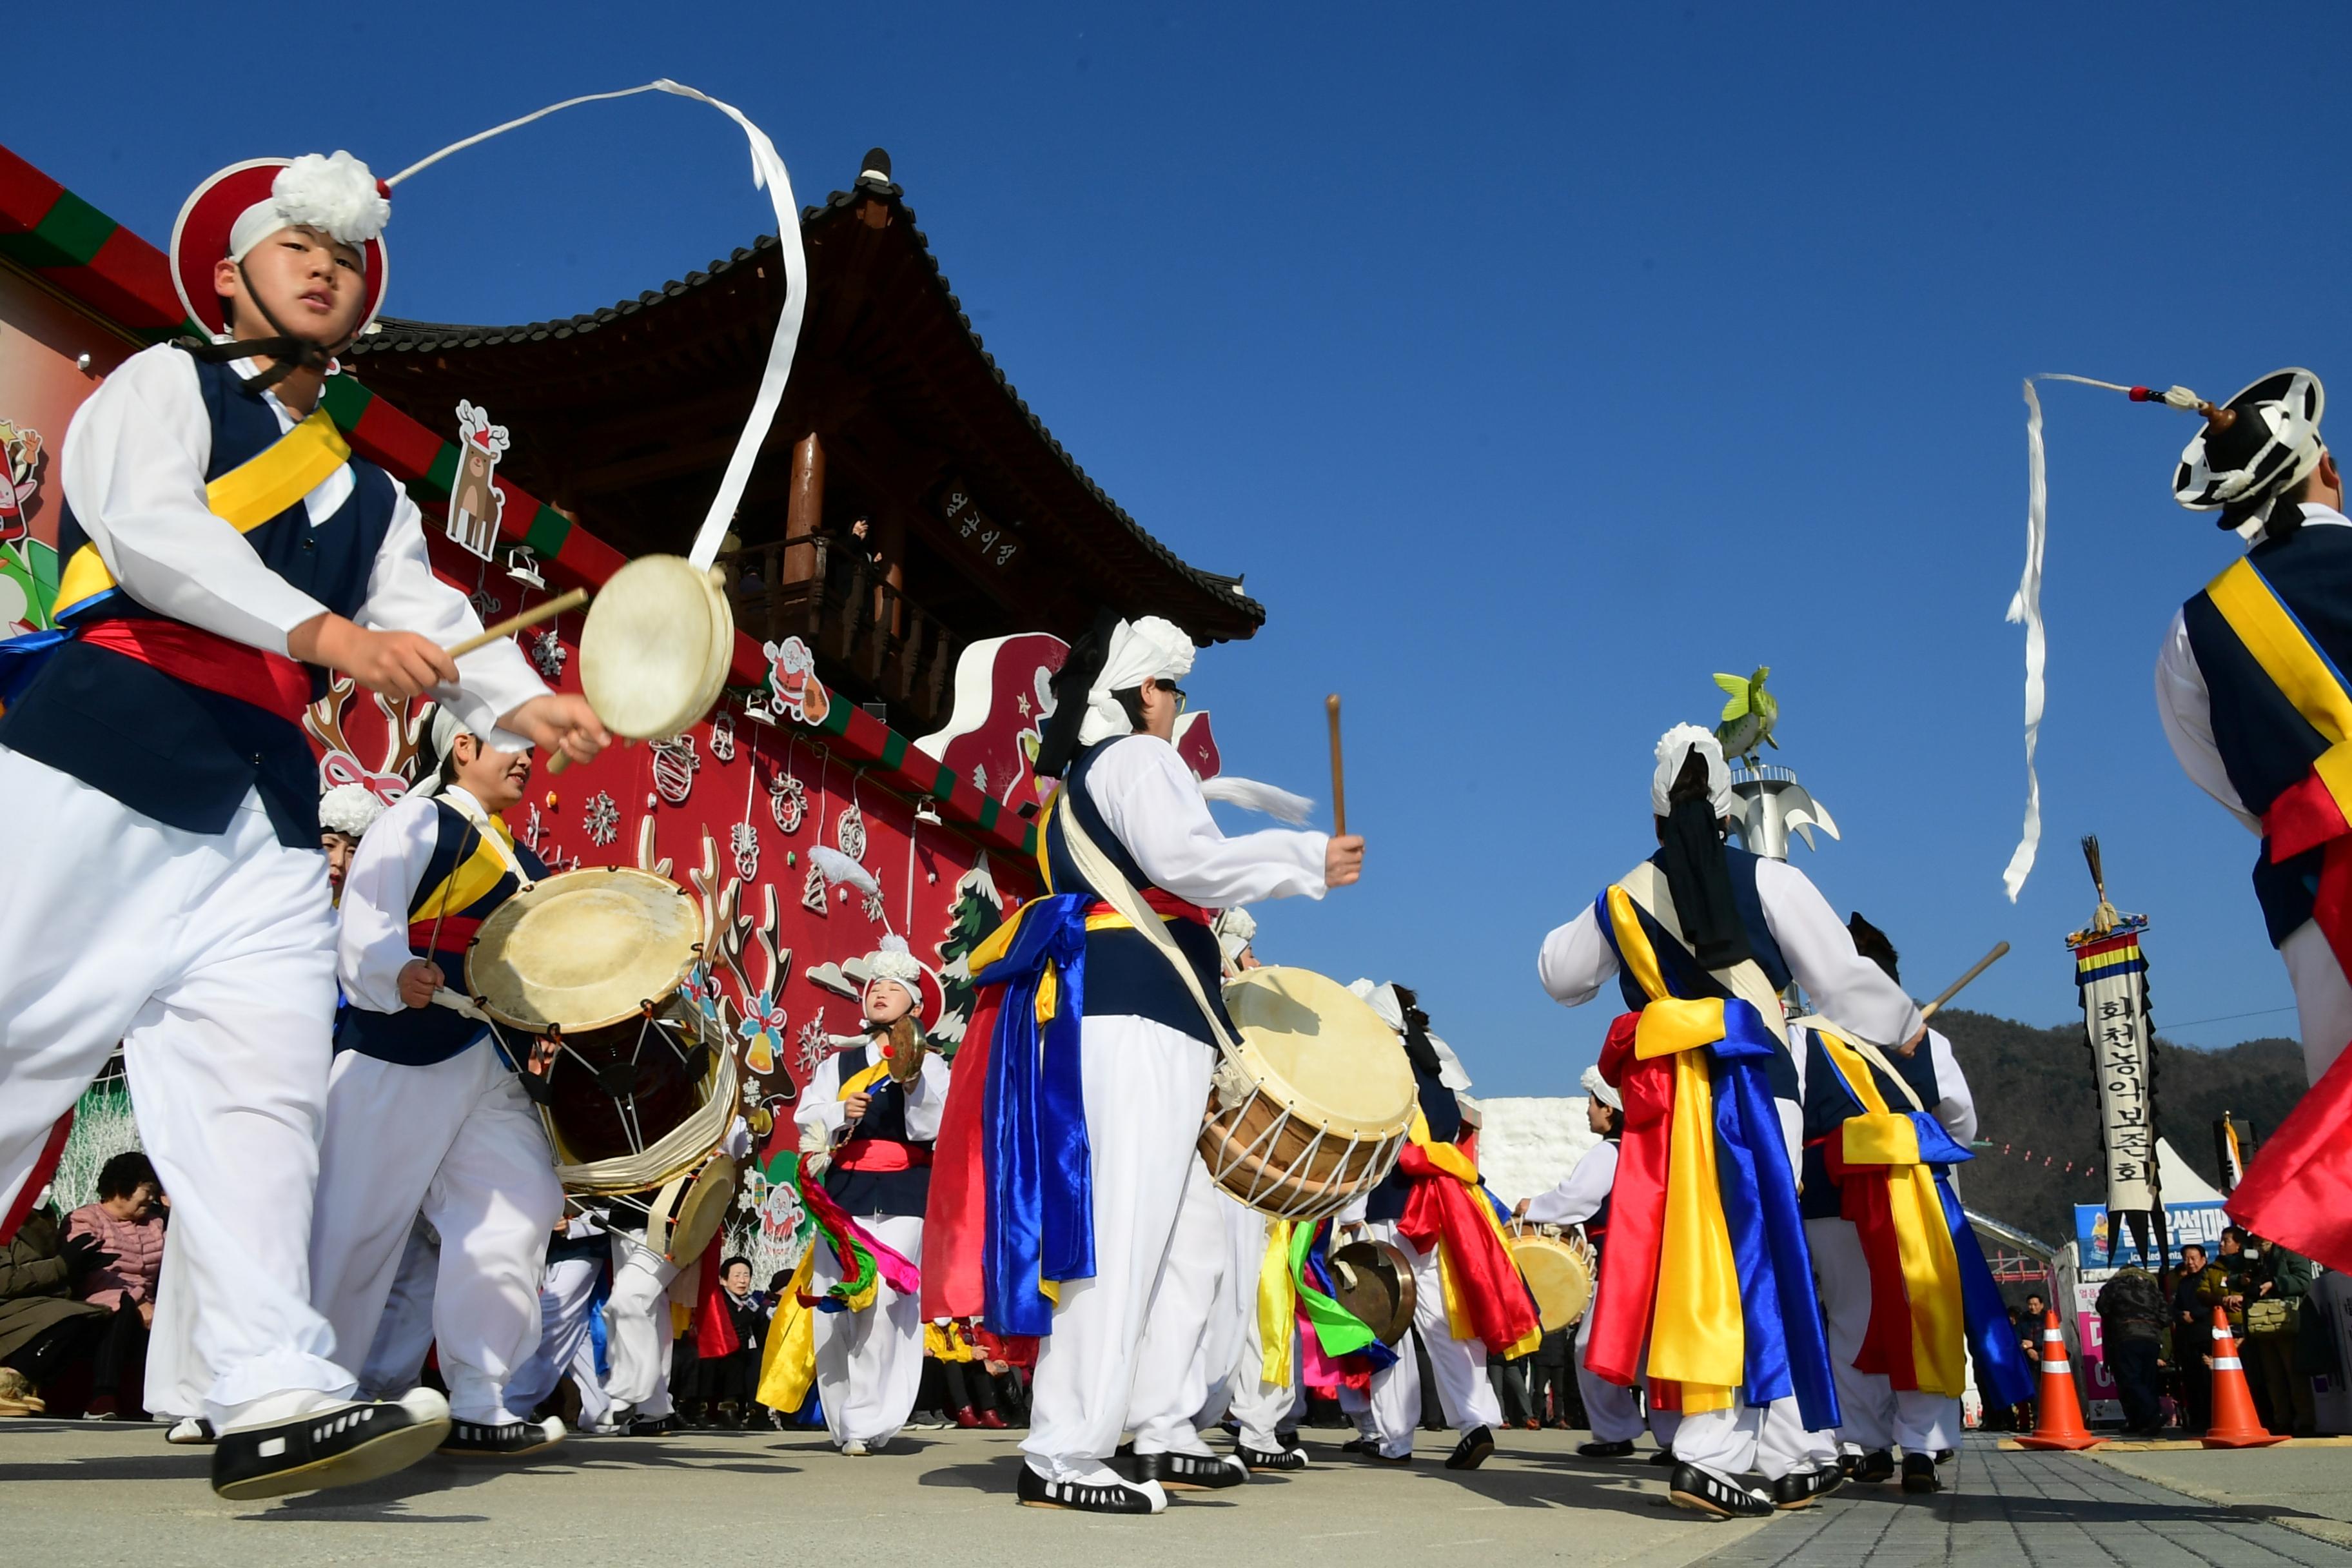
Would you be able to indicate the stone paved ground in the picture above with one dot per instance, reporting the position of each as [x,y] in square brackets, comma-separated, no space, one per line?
[74,1494]
[2015,1510]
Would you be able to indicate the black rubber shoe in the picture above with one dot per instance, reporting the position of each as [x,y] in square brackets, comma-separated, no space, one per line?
[1800,1488]
[1190,1472]
[1876,1466]
[1471,1451]
[1919,1473]
[1621,1449]
[1704,1491]
[505,1440]
[191,1431]
[650,1426]
[1662,1457]
[1946,1456]
[1260,1462]
[1036,1491]
[338,1448]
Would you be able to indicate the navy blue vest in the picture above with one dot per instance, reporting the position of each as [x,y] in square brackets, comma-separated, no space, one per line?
[1596,1229]
[419,1036]
[1828,1104]
[1442,1111]
[879,1192]
[176,752]
[1125,972]
[2265,744]
[1685,978]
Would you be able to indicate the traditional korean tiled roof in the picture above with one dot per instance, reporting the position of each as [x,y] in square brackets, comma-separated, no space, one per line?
[395,337]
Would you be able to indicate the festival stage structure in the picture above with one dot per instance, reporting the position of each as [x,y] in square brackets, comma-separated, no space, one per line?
[912,551]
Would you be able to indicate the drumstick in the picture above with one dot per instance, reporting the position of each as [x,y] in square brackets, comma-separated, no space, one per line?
[465,850]
[2000,950]
[513,623]
[1339,775]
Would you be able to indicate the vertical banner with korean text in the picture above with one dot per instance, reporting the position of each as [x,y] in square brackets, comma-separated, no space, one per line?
[2111,974]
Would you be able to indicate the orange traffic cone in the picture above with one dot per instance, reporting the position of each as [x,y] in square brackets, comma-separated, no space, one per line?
[2059,1415]
[2236,1424]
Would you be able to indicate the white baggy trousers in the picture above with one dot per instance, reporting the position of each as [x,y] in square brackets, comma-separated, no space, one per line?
[1464,1389]
[869,1364]
[1876,1414]
[640,1340]
[567,1344]
[460,1142]
[211,957]
[1146,1086]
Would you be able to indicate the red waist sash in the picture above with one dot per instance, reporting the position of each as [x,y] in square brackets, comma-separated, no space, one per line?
[1162,902]
[456,933]
[879,1154]
[269,681]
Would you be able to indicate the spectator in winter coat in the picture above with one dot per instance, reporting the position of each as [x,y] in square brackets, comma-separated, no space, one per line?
[2135,1316]
[2192,1336]
[45,1328]
[2285,1277]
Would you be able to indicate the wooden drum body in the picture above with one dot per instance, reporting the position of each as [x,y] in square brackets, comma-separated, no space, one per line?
[590,963]
[1313,1108]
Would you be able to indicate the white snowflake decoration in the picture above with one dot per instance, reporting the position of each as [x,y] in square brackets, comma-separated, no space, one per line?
[744,840]
[873,907]
[813,890]
[548,653]
[603,820]
[809,1046]
[849,832]
[674,765]
[787,802]
[532,829]
[722,737]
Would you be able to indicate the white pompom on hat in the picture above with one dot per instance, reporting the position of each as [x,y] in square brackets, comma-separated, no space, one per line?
[349,809]
[238,207]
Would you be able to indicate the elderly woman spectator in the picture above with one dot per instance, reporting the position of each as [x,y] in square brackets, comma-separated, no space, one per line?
[126,1223]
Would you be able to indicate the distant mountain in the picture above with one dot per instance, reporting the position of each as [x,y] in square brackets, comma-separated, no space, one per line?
[2034,1091]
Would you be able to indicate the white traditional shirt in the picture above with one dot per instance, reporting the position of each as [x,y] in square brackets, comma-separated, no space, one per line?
[821,1108]
[1580,1196]
[134,466]
[2186,707]
[1151,803]
[372,941]
[1845,987]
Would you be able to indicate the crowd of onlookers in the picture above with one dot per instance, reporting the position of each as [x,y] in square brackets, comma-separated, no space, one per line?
[2157,1337]
[77,1300]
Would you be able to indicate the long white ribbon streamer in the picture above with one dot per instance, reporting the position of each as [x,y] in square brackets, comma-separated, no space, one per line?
[2026,608]
[768,173]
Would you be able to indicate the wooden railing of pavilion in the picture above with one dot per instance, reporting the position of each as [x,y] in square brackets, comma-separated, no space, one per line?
[840,602]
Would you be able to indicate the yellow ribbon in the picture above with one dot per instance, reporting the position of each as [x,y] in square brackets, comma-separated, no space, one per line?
[1698,1333]
[245,497]
[1931,1264]
[789,1364]
[2303,675]
[1278,1307]
[470,881]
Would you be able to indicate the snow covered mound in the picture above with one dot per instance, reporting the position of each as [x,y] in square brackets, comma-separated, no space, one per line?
[1528,1144]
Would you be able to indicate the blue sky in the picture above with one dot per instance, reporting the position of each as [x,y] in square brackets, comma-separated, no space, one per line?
[1534,363]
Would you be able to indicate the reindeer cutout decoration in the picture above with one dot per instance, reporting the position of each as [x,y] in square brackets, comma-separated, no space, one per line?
[403,735]
[760,1019]
[475,501]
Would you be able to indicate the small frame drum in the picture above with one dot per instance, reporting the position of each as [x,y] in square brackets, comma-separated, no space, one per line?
[1313,1107]
[1373,1279]
[655,651]
[1558,1268]
[590,963]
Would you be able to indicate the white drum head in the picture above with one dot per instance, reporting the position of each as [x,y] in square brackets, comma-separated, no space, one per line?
[585,949]
[1321,1049]
[654,652]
